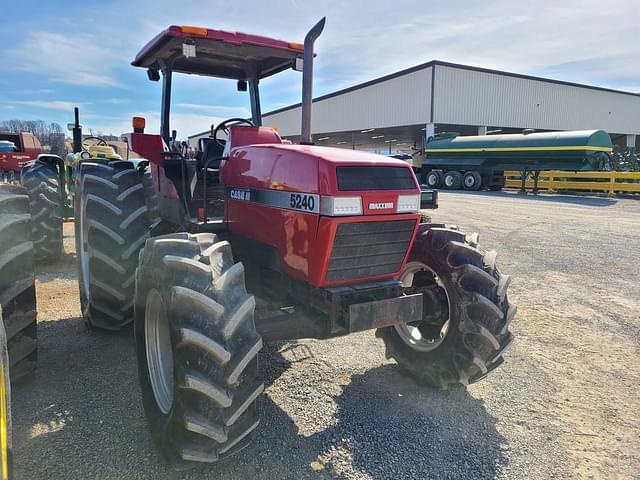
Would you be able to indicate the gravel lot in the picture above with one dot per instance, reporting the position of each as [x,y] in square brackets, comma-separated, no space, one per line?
[565,404]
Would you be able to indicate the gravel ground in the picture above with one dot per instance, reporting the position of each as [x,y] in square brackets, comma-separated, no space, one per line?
[565,403]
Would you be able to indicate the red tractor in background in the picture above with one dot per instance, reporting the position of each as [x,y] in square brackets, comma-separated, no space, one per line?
[330,240]
[16,150]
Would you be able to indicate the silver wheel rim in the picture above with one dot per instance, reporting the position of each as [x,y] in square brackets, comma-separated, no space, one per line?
[83,254]
[411,334]
[469,181]
[432,179]
[448,181]
[159,351]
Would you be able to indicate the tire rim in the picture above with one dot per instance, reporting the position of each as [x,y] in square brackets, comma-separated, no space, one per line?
[159,351]
[83,254]
[411,333]
[432,179]
[448,181]
[469,181]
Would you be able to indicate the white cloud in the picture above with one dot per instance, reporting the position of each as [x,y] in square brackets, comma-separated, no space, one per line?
[215,109]
[77,59]
[186,124]
[47,104]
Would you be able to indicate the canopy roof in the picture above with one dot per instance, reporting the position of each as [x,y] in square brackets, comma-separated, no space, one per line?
[218,53]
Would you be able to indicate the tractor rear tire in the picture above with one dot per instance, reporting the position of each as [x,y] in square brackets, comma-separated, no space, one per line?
[111,226]
[41,181]
[17,281]
[197,348]
[452,180]
[469,341]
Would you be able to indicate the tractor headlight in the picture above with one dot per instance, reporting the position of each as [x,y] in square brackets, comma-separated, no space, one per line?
[408,203]
[340,206]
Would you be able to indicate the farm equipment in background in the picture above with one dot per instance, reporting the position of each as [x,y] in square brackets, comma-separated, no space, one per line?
[331,240]
[50,181]
[474,162]
[16,149]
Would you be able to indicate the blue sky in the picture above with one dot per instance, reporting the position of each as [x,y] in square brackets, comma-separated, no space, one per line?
[67,53]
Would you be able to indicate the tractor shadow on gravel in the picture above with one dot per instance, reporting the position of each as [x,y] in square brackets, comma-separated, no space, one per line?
[385,426]
[81,417]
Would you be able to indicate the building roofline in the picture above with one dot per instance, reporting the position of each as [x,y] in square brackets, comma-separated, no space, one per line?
[459,66]
[198,134]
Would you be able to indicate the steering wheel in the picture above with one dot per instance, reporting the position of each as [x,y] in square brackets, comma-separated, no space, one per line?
[225,125]
[98,141]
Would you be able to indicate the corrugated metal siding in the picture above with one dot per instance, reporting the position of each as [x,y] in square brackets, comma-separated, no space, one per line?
[404,100]
[481,98]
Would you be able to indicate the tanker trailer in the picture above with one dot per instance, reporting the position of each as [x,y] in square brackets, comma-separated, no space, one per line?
[474,162]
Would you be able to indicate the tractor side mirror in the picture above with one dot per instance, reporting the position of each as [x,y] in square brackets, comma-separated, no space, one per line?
[242,85]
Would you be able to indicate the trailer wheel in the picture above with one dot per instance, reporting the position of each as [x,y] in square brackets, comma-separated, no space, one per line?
[452,180]
[463,340]
[17,281]
[197,348]
[41,181]
[472,181]
[111,226]
[433,179]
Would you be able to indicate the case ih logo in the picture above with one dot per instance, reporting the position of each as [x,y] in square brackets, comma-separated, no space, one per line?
[381,206]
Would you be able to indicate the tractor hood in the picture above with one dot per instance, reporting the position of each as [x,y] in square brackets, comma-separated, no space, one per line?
[316,170]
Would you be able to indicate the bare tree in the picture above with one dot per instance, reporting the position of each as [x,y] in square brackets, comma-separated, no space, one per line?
[48,133]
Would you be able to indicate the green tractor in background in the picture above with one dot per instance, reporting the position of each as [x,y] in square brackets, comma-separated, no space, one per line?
[50,183]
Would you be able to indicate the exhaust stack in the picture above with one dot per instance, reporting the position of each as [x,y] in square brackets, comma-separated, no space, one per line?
[307,81]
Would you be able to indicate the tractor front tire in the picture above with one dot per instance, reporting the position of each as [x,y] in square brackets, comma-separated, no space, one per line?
[40,178]
[17,281]
[111,226]
[473,328]
[197,349]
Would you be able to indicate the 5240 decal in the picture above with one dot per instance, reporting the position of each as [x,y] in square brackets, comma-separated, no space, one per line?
[304,202]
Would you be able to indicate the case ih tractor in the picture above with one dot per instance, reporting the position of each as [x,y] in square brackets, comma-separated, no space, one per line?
[330,240]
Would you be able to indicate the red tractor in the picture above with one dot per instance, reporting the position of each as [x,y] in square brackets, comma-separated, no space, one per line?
[330,241]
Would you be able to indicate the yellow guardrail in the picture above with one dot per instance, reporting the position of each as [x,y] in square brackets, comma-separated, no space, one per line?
[609,182]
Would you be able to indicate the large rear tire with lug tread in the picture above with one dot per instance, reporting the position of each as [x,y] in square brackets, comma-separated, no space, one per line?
[468,339]
[197,348]
[17,281]
[111,226]
[41,181]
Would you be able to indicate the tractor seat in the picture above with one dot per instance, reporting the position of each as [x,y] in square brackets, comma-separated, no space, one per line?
[212,150]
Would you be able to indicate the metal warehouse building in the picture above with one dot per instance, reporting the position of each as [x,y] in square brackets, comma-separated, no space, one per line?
[397,112]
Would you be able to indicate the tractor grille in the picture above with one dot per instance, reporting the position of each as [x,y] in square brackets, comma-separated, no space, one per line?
[365,249]
[374,178]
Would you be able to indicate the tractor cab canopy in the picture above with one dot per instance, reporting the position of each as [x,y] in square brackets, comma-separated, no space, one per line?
[238,56]
[216,53]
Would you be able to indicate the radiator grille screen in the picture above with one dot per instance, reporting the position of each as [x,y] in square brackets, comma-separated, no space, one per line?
[365,249]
